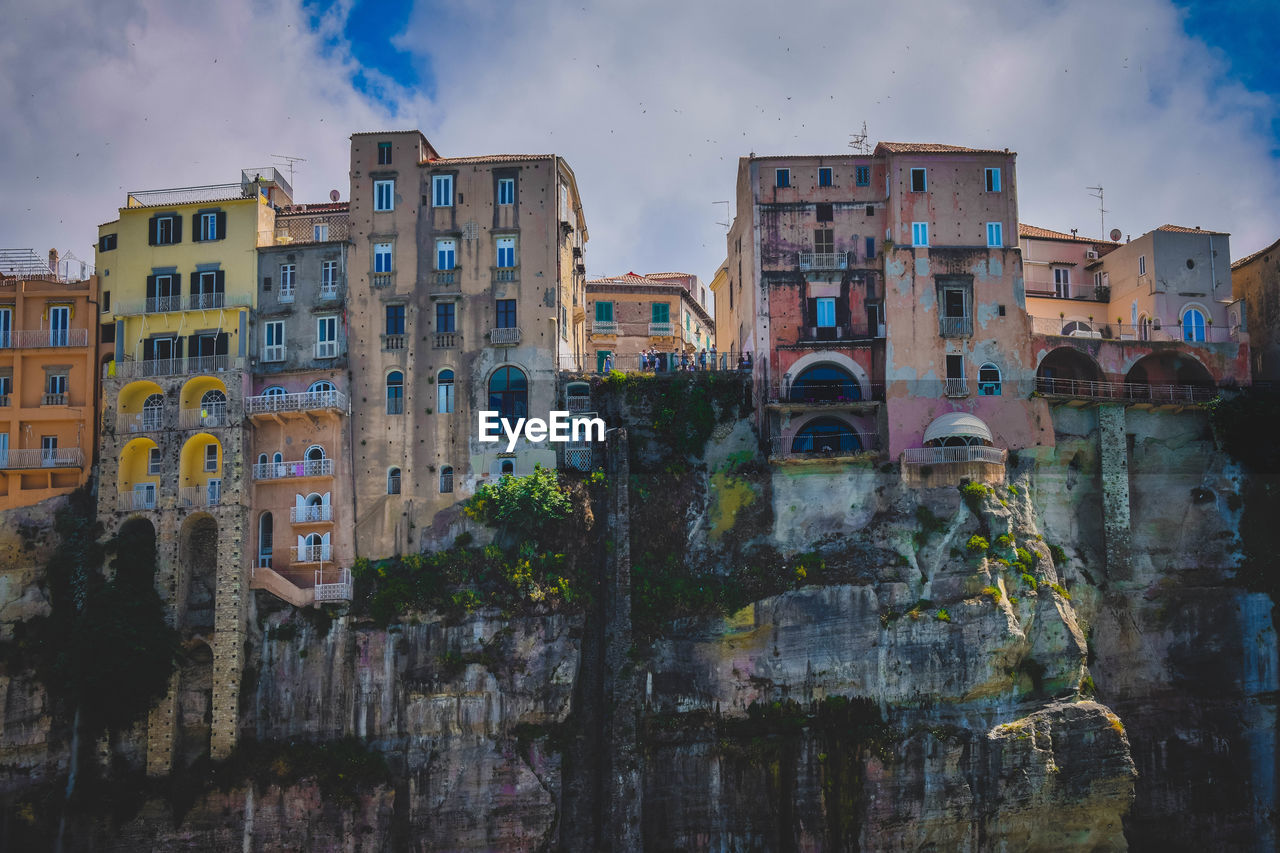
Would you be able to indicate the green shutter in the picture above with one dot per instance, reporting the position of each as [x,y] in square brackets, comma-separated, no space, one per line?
[222,225]
[604,312]
[195,227]
[661,312]
[177,229]
[153,230]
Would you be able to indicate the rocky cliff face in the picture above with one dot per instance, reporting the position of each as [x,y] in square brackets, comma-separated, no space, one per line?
[908,691]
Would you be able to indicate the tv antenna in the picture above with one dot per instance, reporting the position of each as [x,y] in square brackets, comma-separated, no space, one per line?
[726,215]
[289,161]
[858,141]
[1096,192]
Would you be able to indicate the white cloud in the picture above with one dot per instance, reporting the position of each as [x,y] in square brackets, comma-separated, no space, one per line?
[650,103]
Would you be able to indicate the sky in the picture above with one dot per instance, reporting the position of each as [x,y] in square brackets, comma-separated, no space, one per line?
[1173,108]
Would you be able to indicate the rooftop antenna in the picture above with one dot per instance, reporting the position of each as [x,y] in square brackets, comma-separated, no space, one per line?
[1102,212]
[726,215]
[289,161]
[858,141]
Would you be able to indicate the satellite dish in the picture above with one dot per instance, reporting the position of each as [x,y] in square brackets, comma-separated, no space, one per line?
[1115,235]
[334,195]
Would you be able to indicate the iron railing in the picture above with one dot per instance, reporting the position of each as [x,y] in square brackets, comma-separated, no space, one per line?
[40,457]
[660,362]
[505,337]
[604,327]
[339,591]
[293,469]
[310,514]
[578,403]
[823,444]
[1063,327]
[148,420]
[824,260]
[134,499]
[944,455]
[304,401]
[661,330]
[826,392]
[955,327]
[954,386]
[39,338]
[1124,392]
[172,366]
[208,495]
[208,416]
[311,553]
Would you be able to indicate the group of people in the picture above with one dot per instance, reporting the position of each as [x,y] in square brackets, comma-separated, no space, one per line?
[704,359]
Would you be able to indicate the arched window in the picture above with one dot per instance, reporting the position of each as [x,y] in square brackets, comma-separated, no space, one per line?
[1193,325]
[393,481]
[1144,328]
[274,391]
[508,468]
[825,383]
[444,392]
[153,411]
[988,380]
[266,533]
[314,499]
[826,435]
[321,386]
[314,453]
[1079,329]
[262,459]
[395,393]
[446,479]
[509,393]
[213,408]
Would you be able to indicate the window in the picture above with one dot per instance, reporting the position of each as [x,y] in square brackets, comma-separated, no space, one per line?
[273,340]
[826,435]
[210,226]
[395,393]
[506,191]
[210,457]
[207,289]
[153,462]
[315,453]
[395,320]
[444,392]
[384,195]
[1142,264]
[955,320]
[955,386]
[824,241]
[393,481]
[59,325]
[1193,325]
[152,411]
[6,326]
[382,257]
[327,337]
[993,180]
[445,254]
[919,233]
[320,232]
[105,302]
[871,247]
[988,378]
[509,393]
[995,235]
[506,314]
[49,449]
[442,190]
[824,212]
[328,277]
[662,312]
[919,183]
[384,153]
[782,177]
[604,312]
[1062,282]
[862,176]
[266,533]
[824,176]
[445,317]
[165,229]
[107,242]
[507,469]
[446,479]
[826,312]
[506,252]
[286,281]
[55,383]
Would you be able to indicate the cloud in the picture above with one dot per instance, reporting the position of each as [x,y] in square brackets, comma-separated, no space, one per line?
[651,104]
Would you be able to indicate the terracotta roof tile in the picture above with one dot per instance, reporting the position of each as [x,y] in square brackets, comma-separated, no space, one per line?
[323,207]
[1247,258]
[1182,229]
[936,148]
[1038,233]
[487,158]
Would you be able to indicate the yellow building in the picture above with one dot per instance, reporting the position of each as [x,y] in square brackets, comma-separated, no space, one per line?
[633,314]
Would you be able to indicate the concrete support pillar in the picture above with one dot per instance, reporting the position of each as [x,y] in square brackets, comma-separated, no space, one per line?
[1113,450]
[161,728]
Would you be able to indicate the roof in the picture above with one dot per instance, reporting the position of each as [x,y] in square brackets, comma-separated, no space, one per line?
[385,132]
[635,283]
[1182,229]
[325,207]
[956,423]
[936,148]
[1035,232]
[486,158]
[1247,258]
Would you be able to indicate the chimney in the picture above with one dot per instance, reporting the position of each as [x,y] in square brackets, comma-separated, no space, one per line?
[53,262]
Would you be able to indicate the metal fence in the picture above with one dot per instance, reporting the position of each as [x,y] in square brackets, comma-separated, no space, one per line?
[660,363]
[944,455]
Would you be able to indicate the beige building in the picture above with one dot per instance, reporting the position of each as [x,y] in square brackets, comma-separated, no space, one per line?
[631,314]
[466,293]
[1256,280]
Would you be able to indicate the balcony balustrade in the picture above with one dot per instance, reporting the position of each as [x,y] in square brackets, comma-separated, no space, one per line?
[293,469]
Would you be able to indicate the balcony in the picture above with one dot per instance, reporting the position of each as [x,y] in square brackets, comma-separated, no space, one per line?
[822,446]
[661,330]
[326,349]
[198,497]
[840,393]
[955,327]
[955,387]
[135,499]
[328,290]
[311,553]
[945,455]
[813,261]
[392,343]
[273,353]
[337,591]
[193,302]
[172,366]
[210,416]
[38,457]
[4,401]
[310,514]
[286,294]
[446,340]
[502,275]
[504,337]
[39,338]
[150,420]
[444,278]
[578,403]
[1066,328]
[1125,392]
[53,400]
[306,401]
[382,280]
[293,470]
[604,327]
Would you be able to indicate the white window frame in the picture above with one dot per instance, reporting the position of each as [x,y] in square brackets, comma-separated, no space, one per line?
[924,180]
[208,226]
[383,258]
[288,274]
[328,276]
[508,244]
[320,232]
[327,336]
[992,180]
[452,245]
[155,465]
[273,350]
[384,195]
[172,220]
[210,464]
[995,235]
[1142,264]
[442,190]
[920,234]
[506,191]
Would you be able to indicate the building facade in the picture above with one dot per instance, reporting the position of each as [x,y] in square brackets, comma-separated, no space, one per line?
[1255,280]
[466,294]
[632,314]
[48,382]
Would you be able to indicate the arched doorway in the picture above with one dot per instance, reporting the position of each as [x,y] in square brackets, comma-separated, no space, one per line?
[826,436]
[825,383]
[1067,370]
[1171,376]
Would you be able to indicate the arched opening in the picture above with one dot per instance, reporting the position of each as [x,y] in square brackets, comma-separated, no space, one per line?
[313,548]
[1066,370]
[509,393]
[446,479]
[444,392]
[507,468]
[266,539]
[826,436]
[274,392]
[1168,369]
[138,478]
[200,471]
[198,551]
[825,383]
[140,407]
[393,481]
[1144,327]
[957,429]
[197,387]
[314,453]
[323,386]
[395,393]
[195,705]
[1080,329]
[989,383]
[213,408]
[1193,325]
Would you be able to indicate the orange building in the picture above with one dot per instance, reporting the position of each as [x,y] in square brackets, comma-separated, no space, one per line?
[48,384]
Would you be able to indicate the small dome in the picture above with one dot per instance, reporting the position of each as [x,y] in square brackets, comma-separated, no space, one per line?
[957,424]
